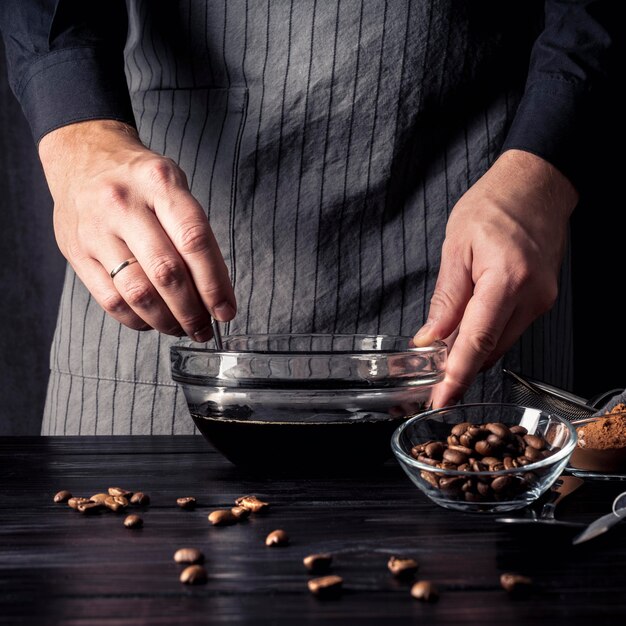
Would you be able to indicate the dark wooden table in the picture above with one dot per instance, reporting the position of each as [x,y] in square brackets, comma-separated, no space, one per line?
[60,567]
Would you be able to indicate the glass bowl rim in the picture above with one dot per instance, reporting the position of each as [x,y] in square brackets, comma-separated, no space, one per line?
[436,347]
[409,460]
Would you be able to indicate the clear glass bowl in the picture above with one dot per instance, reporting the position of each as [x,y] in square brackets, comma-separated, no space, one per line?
[304,400]
[524,484]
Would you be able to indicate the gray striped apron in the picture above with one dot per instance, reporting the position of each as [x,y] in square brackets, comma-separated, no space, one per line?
[327,141]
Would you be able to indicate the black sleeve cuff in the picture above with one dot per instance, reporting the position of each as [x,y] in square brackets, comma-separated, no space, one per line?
[74,85]
[549,123]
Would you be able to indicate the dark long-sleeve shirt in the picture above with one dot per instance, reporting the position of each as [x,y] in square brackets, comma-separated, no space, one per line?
[66,65]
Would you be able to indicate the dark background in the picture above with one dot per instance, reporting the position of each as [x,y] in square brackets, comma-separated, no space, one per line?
[31,268]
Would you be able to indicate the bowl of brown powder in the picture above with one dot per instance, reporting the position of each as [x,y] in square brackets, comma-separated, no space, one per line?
[602,443]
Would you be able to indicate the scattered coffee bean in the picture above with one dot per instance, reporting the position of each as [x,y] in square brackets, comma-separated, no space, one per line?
[222,517]
[425,591]
[402,567]
[460,429]
[115,503]
[326,586]
[133,521]
[74,502]
[240,512]
[453,456]
[194,575]
[188,555]
[89,508]
[140,498]
[187,502]
[100,497]
[252,503]
[118,491]
[62,496]
[318,563]
[277,538]
[434,450]
[516,584]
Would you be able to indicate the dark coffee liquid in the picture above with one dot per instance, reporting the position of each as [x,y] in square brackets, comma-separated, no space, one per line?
[310,447]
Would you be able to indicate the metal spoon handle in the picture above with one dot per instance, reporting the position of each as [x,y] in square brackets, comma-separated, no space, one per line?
[217,334]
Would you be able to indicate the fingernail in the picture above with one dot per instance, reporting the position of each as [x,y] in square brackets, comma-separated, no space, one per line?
[223,312]
[203,335]
[424,336]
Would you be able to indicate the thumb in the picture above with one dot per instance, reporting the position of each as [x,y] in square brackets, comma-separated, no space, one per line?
[452,293]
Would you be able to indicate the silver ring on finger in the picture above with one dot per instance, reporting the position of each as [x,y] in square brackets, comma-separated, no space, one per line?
[118,268]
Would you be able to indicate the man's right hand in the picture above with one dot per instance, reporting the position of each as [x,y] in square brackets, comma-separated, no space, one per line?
[114,199]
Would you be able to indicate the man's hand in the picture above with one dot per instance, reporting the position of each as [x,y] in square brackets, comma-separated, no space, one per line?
[499,265]
[114,199]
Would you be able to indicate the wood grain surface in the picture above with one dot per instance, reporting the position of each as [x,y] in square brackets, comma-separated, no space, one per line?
[60,567]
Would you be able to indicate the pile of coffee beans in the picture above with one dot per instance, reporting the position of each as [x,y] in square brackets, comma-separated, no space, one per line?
[490,447]
[115,499]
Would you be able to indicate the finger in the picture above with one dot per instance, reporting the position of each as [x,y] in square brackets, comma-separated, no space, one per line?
[98,282]
[452,293]
[486,316]
[187,226]
[519,322]
[168,273]
[136,289]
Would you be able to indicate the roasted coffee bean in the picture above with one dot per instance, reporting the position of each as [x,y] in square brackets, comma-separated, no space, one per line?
[467,486]
[478,432]
[516,584]
[194,575]
[133,521]
[326,586]
[479,466]
[222,517]
[496,467]
[467,440]
[75,502]
[497,443]
[464,467]
[89,508]
[490,460]
[460,429]
[534,441]
[498,429]
[430,478]
[462,449]
[240,512]
[454,456]
[422,458]
[187,502]
[518,430]
[62,496]
[447,465]
[252,503]
[318,563]
[471,496]
[522,460]
[277,538]
[434,450]
[416,451]
[453,440]
[140,498]
[402,567]
[425,591]
[483,488]
[99,497]
[188,555]
[509,463]
[118,491]
[115,503]
[500,483]
[484,447]
[533,454]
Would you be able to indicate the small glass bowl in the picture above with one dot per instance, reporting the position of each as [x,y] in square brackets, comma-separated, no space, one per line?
[524,484]
[306,401]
